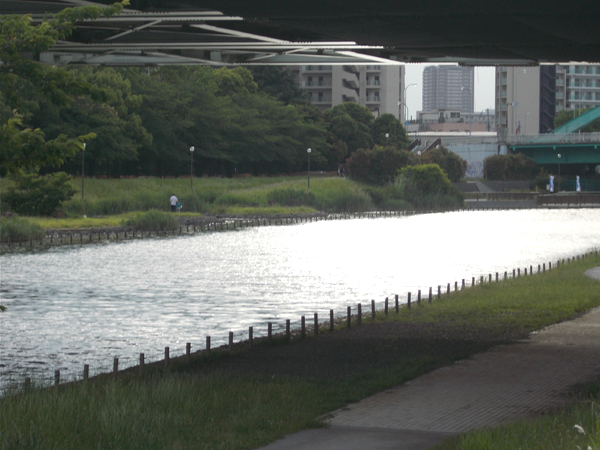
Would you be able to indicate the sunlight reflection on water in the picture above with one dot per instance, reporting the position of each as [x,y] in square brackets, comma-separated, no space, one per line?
[85,305]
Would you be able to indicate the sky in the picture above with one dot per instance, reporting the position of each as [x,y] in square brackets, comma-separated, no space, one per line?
[484,87]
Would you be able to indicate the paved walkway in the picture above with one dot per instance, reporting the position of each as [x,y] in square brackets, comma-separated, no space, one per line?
[504,383]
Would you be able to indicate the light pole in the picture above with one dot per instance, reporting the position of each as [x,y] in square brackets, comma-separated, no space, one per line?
[558,181]
[308,152]
[419,153]
[387,135]
[515,93]
[405,103]
[192,169]
[82,167]
[470,115]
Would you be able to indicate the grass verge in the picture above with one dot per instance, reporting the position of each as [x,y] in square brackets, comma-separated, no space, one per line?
[253,397]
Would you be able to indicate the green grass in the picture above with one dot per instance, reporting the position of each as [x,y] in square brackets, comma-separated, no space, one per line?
[223,410]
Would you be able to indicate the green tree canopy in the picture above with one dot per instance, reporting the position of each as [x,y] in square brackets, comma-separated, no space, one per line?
[350,123]
[278,82]
[452,164]
[565,115]
[390,125]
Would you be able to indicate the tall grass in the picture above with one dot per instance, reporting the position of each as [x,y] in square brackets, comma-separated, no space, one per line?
[153,220]
[226,411]
[16,229]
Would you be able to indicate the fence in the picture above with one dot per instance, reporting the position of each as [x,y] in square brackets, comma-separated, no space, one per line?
[352,317]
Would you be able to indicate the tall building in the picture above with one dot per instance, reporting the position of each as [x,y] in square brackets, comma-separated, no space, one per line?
[379,88]
[448,87]
[528,98]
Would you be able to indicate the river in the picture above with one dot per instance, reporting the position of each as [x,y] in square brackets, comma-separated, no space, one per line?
[75,305]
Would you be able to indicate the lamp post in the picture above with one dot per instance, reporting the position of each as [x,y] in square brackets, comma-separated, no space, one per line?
[192,169]
[308,152]
[558,181]
[405,103]
[82,167]
[387,136]
[419,153]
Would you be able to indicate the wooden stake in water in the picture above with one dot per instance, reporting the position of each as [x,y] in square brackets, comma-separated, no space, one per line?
[115,367]
[208,344]
[349,317]
[359,314]
[331,324]
[250,337]
[141,363]
[166,357]
[316,324]
[86,372]
[188,351]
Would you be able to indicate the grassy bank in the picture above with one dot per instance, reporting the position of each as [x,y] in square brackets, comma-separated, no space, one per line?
[108,202]
[253,397]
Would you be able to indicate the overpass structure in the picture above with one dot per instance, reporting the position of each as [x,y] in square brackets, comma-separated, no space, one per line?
[287,32]
[564,145]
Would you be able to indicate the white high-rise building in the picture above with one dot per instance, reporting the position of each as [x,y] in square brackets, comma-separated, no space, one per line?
[379,88]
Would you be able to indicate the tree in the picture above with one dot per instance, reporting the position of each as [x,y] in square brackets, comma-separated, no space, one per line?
[378,166]
[428,186]
[350,123]
[23,81]
[452,164]
[390,125]
[509,167]
[280,83]
[33,195]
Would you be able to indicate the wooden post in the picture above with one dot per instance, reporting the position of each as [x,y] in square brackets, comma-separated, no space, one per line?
[27,384]
[550,265]
[188,351]
[372,309]
[430,297]
[544,267]
[270,331]
[316,324]
[525,271]
[490,278]
[231,341]
[505,275]
[472,281]
[287,329]
[439,291]
[448,289]
[496,276]
[386,306]
[397,305]
[539,268]
[250,336]
[302,327]
[463,284]
[519,272]
[481,279]
[115,367]
[86,372]
[208,345]
[456,286]
[166,357]
[419,297]
[141,363]
[359,314]
[330,313]
[349,317]
[530,270]
[56,378]
[408,301]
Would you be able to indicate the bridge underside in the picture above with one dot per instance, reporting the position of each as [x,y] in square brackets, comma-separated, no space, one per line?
[229,32]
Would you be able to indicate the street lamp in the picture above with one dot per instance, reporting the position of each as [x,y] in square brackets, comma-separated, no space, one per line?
[192,169]
[405,103]
[308,152]
[82,167]
[387,136]
[419,153]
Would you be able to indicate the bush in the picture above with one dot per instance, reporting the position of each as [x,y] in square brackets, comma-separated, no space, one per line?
[427,186]
[345,201]
[454,166]
[154,220]
[378,166]
[16,229]
[509,167]
[34,195]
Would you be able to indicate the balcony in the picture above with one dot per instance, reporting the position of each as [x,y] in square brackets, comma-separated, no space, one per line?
[373,83]
[314,84]
[316,68]
[373,99]
[560,95]
[373,68]
[320,99]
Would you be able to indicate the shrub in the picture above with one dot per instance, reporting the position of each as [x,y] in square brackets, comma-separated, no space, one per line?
[427,186]
[378,166]
[345,201]
[454,166]
[16,229]
[34,195]
[154,220]
[509,167]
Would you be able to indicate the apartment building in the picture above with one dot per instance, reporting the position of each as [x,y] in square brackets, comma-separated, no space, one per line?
[528,98]
[377,87]
[448,87]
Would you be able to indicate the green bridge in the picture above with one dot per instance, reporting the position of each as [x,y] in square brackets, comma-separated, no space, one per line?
[564,145]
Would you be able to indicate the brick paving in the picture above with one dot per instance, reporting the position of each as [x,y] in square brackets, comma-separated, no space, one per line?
[503,383]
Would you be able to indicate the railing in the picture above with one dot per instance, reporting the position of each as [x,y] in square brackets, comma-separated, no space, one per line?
[315,83]
[373,83]
[558,138]
[373,99]
[322,99]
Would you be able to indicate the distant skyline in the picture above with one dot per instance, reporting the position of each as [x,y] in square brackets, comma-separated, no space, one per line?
[485,78]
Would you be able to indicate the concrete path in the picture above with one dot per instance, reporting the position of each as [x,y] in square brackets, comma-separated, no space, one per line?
[504,383]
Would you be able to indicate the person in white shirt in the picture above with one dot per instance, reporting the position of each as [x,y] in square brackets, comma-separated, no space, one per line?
[174,202]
